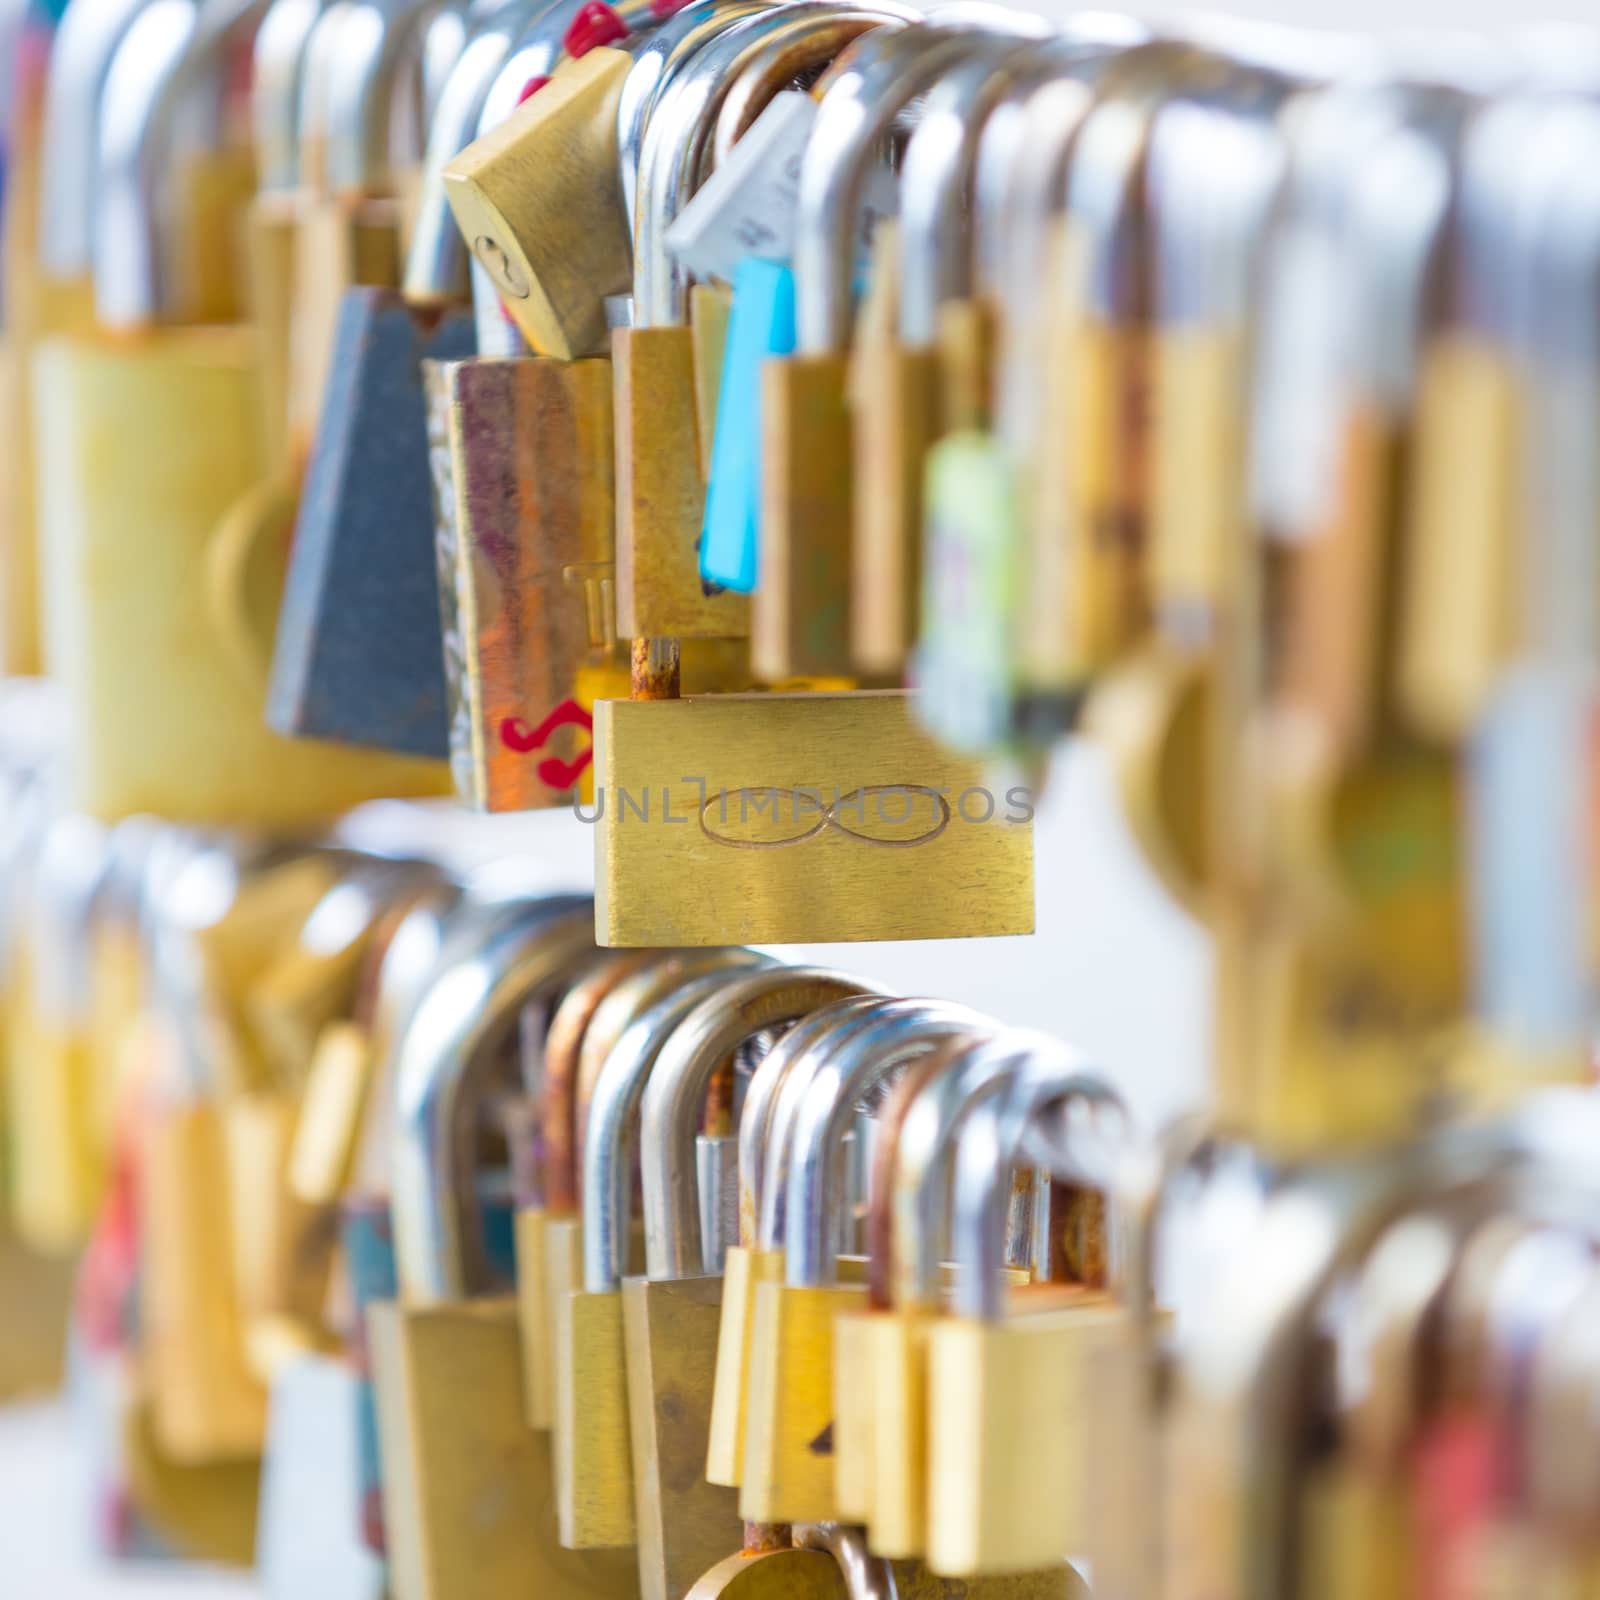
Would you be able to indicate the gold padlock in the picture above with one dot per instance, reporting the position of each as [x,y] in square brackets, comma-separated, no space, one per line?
[800,621]
[916,825]
[788,1465]
[1004,1391]
[558,1175]
[898,376]
[592,1438]
[758,1256]
[671,1314]
[469,1498]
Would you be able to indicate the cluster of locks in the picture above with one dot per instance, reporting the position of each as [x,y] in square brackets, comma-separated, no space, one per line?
[768,431]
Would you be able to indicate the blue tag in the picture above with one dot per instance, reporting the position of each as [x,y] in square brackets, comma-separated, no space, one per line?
[760,324]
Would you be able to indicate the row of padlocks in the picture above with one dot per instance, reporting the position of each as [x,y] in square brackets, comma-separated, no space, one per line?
[767,431]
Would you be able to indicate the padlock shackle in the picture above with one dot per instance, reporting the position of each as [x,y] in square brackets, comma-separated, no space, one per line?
[772,1187]
[355,53]
[277,61]
[763,1095]
[673,1105]
[675,155]
[937,175]
[1208,255]
[85,44]
[922,1168]
[657,58]
[898,1032]
[437,256]
[658,977]
[771,67]
[613,1129]
[559,1092]
[886,73]
[672,157]
[866,1576]
[1050,1078]
[441,1065]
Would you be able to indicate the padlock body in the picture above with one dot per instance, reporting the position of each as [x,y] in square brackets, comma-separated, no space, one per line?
[1007,1406]
[358,655]
[533,1314]
[539,202]
[661,494]
[527,573]
[164,434]
[590,1442]
[800,614]
[742,1269]
[897,419]
[469,1487]
[207,1405]
[685,1525]
[784,818]
[788,1464]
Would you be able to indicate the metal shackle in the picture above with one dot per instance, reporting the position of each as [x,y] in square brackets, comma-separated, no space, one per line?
[674,1098]
[897,1033]
[613,1130]
[763,1096]
[470,1005]
[1051,1076]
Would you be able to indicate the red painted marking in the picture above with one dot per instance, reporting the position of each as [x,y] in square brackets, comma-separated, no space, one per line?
[555,773]
[532,87]
[595,24]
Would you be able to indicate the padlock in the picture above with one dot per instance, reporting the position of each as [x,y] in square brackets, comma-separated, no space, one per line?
[770,1564]
[591,1438]
[893,1340]
[1006,1466]
[671,1314]
[739,227]
[660,481]
[505,192]
[466,1484]
[557,1198]
[989,636]
[897,377]
[349,214]
[746,774]
[758,1255]
[357,658]
[788,1466]
[1531,771]
[800,620]
[1157,710]
[57,1172]
[166,725]
[526,572]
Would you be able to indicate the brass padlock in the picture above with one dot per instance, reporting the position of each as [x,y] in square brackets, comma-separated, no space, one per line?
[469,1503]
[168,727]
[800,621]
[514,206]
[897,377]
[660,453]
[912,820]
[57,1173]
[671,1314]
[788,1466]
[758,1255]
[557,1198]
[895,1339]
[1004,1391]
[592,1437]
